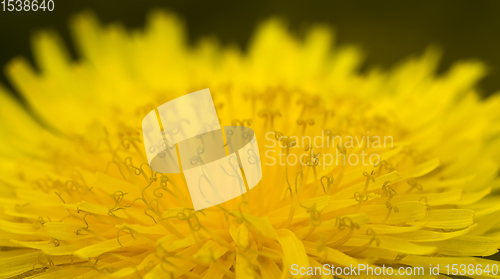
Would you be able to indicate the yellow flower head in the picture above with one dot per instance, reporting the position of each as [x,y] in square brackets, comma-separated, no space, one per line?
[79,199]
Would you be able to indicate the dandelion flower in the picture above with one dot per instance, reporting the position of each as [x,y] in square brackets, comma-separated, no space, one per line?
[79,200]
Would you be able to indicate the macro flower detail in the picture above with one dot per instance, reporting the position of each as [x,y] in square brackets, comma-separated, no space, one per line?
[213,163]
[80,201]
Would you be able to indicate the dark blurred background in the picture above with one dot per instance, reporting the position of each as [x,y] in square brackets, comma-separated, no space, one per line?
[387,30]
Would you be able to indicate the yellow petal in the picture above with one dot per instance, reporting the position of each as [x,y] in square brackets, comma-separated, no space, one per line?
[391,243]
[260,224]
[467,245]
[56,273]
[293,249]
[16,262]
[407,212]
[428,235]
[269,269]
[440,218]
[210,251]
[106,246]
[332,255]
[218,269]
[240,235]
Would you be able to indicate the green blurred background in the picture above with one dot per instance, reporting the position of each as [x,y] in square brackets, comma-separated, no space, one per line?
[388,31]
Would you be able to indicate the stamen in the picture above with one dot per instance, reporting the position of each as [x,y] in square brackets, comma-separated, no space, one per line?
[269,116]
[164,181]
[424,199]
[390,208]
[312,160]
[304,123]
[308,102]
[80,176]
[327,113]
[124,229]
[127,141]
[220,240]
[385,165]
[388,190]
[245,122]
[289,143]
[321,247]
[329,183]
[40,220]
[411,152]
[117,197]
[342,149]
[165,260]
[360,198]
[343,223]
[399,257]
[195,226]
[286,141]
[86,228]
[414,184]
[314,215]
[368,178]
[330,135]
[41,184]
[119,165]
[43,265]
[59,195]
[55,241]
[235,169]
[363,248]
[79,231]
[292,208]
[146,212]
[314,220]
[71,186]
[139,170]
[297,175]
